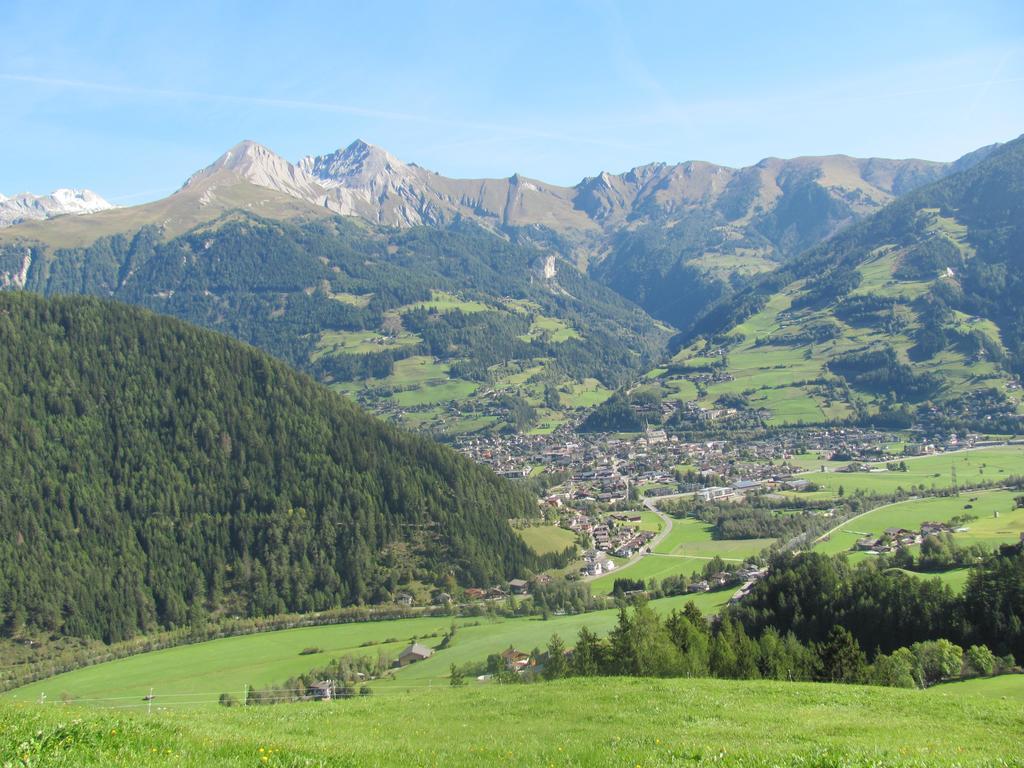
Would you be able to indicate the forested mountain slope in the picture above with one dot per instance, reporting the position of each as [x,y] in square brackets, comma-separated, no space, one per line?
[915,311]
[448,329]
[153,472]
[672,237]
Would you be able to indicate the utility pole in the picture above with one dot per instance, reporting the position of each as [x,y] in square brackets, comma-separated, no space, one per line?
[149,704]
[956,490]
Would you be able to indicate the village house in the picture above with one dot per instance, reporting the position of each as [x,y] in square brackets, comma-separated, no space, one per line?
[322,691]
[414,652]
[515,661]
[518,586]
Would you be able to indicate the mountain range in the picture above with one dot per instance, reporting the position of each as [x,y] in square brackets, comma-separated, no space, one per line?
[456,305]
[29,207]
[650,233]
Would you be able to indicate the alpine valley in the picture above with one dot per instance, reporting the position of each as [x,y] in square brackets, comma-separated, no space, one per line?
[457,305]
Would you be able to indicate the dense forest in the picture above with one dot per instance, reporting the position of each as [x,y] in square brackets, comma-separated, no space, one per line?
[156,473]
[809,594]
[281,286]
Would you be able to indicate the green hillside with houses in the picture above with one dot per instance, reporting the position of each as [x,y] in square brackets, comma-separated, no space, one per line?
[906,317]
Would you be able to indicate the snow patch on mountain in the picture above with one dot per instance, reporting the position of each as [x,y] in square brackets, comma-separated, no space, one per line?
[28,207]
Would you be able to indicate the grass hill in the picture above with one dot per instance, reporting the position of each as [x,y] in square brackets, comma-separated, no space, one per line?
[567,723]
[266,658]
[156,473]
[446,330]
[913,308]
[204,201]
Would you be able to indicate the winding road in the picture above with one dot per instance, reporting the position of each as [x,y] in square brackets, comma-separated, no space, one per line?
[666,529]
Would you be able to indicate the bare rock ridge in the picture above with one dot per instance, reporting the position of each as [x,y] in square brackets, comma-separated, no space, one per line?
[366,181]
[28,207]
[669,237]
[258,165]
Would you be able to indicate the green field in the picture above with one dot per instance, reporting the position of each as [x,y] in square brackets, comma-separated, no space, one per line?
[434,392]
[353,299]
[586,722]
[202,671]
[552,328]
[446,302]
[956,578]
[987,530]
[692,538]
[1005,687]
[585,394]
[547,538]
[650,521]
[655,567]
[978,465]
[359,343]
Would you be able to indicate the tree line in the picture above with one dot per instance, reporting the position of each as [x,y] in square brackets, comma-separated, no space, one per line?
[685,644]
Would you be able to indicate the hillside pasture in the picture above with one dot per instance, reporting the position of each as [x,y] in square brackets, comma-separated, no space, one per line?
[197,674]
[988,530]
[692,538]
[359,343]
[778,367]
[551,328]
[976,465]
[954,578]
[578,722]
[441,301]
[1007,688]
[547,538]
[584,394]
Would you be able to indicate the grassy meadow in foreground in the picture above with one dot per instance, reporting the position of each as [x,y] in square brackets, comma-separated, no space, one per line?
[587,722]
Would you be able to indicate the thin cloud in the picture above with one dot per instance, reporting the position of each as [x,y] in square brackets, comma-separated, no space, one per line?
[305,105]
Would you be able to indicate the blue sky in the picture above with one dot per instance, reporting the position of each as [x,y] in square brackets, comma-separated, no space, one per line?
[128,100]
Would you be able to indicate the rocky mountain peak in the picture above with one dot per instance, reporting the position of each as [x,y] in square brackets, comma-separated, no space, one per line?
[358,165]
[252,162]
